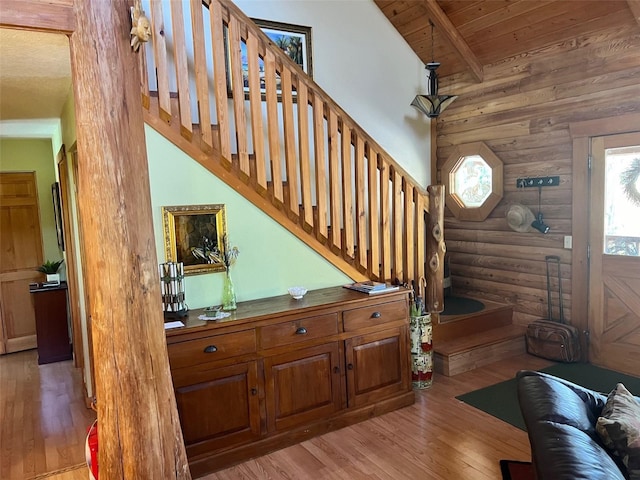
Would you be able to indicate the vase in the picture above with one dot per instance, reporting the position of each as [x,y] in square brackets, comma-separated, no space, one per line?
[421,351]
[228,293]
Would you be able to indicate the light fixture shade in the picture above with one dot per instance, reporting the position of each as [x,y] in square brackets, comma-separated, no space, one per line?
[432,105]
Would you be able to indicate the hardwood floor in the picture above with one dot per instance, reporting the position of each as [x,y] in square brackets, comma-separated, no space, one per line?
[438,437]
[44,420]
[44,424]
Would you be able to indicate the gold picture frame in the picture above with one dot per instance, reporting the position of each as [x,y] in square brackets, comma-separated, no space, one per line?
[193,235]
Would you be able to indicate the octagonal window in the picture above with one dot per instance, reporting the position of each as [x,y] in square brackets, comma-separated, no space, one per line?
[473,178]
[472,181]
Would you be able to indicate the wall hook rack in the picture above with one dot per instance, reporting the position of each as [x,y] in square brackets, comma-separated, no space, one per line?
[538,182]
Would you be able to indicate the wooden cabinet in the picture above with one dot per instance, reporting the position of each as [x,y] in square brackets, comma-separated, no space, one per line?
[376,366]
[218,406]
[52,326]
[279,371]
[302,386]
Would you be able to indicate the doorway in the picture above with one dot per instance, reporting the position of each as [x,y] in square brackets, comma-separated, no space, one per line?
[614,260]
[21,254]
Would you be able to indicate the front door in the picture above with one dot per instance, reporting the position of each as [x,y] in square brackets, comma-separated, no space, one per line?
[20,256]
[614,270]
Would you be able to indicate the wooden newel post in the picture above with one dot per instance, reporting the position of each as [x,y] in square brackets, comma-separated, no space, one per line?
[435,249]
[139,431]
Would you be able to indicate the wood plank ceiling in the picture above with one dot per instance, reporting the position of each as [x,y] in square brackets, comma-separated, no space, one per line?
[470,34]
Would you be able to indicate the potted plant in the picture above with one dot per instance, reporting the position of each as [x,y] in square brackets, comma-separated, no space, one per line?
[50,268]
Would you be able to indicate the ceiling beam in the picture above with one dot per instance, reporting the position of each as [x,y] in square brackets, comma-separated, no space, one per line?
[38,15]
[453,37]
[634,5]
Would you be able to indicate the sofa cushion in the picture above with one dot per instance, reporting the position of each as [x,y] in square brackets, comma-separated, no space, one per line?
[560,417]
[552,399]
[562,452]
[619,428]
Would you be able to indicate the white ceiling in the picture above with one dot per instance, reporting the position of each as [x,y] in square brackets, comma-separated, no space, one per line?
[35,79]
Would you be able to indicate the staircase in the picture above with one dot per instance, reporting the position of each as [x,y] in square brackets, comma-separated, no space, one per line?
[466,342]
[238,105]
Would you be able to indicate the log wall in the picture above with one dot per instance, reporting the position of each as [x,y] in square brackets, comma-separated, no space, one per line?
[522,111]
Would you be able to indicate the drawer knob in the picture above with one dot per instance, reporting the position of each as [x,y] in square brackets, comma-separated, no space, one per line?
[376,315]
[336,369]
[350,366]
[254,391]
[210,349]
[301,331]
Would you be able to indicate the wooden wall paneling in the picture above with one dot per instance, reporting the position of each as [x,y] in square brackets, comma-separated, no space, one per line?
[520,279]
[526,111]
[515,265]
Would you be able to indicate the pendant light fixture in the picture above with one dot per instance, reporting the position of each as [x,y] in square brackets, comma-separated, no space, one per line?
[432,104]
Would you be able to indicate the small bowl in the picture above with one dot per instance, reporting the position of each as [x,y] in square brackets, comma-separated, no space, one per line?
[297,292]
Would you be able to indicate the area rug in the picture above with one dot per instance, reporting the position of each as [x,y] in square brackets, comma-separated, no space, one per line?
[461,305]
[515,470]
[501,399]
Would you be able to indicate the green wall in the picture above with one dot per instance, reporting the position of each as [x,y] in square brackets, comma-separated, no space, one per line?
[271,258]
[35,154]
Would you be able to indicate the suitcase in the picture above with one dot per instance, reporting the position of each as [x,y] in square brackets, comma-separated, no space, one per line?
[551,339]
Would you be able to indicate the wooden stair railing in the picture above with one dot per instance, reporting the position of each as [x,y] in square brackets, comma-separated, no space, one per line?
[276,137]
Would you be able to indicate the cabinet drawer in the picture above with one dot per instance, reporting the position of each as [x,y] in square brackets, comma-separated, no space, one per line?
[208,349]
[373,315]
[300,330]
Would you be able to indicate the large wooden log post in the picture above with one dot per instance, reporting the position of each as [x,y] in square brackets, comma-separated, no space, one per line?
[435,249]
[139,430]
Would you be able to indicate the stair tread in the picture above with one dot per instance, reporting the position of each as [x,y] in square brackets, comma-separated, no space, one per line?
[488,306]
[487,337]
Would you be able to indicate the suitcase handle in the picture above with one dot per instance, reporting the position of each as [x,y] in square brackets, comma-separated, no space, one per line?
[548,259]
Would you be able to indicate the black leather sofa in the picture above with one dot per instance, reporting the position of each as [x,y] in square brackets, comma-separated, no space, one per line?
[561,422]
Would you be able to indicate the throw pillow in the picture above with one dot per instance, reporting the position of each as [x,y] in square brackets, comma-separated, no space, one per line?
[619,428]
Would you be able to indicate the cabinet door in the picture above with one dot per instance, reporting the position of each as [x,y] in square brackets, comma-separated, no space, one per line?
[302,386]
[377,366]
[218,407]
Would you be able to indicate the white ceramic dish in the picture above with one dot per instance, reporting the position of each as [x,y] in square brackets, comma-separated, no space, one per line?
[297,292]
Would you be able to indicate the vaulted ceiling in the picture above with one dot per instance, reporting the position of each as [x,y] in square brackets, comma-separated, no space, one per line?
[470,34]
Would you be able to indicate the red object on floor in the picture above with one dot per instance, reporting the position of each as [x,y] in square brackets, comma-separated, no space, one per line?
[91,450]
[516,470]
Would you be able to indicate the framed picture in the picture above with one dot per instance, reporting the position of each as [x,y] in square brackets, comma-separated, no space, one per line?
[57,213]
[294,40]
[193,235]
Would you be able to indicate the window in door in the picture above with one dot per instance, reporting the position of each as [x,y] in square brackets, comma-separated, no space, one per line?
[622,201]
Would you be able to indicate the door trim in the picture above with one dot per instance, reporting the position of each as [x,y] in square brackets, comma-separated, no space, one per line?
[581,134]
[70,257]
